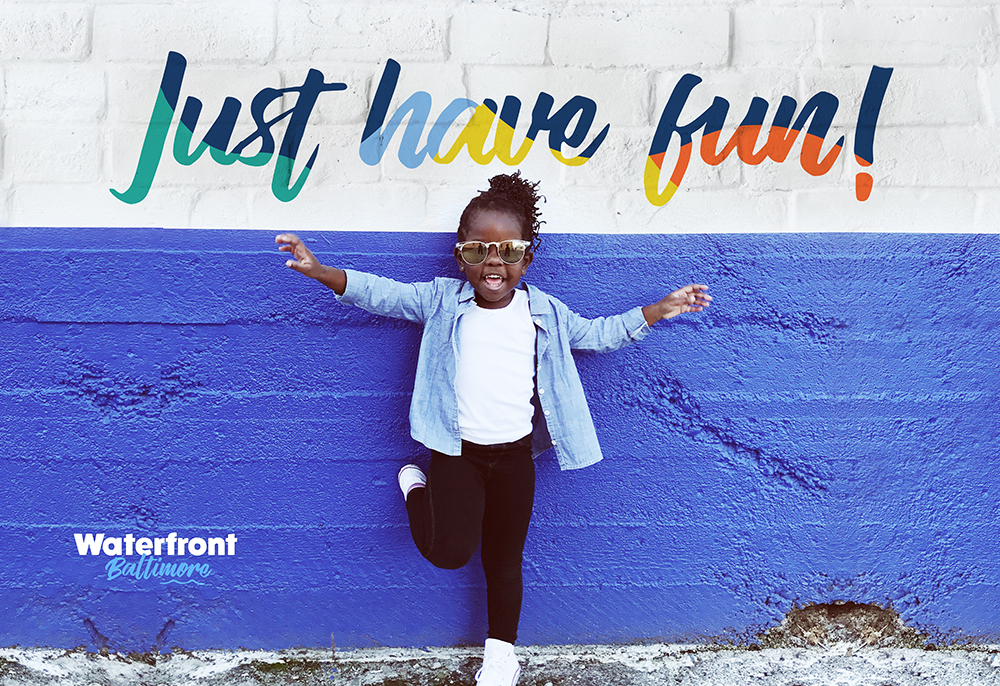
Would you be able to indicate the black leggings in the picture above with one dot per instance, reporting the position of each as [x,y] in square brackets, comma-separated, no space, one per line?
[485,494]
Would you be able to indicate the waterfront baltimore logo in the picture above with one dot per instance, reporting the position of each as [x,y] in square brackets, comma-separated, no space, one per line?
[155,559]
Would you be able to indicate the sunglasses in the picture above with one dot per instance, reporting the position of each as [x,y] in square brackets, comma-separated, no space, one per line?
[476,252]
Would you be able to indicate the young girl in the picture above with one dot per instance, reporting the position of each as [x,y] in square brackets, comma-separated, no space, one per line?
[495,386]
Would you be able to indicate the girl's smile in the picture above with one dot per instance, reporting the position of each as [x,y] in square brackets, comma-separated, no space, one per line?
[494,280]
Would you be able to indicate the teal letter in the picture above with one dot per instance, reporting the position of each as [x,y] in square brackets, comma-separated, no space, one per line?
[156,132]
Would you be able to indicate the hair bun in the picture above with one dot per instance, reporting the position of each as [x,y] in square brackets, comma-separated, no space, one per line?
[509,193]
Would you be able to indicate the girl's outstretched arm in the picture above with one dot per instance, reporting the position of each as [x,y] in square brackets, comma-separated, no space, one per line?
[306,263]
[690,298]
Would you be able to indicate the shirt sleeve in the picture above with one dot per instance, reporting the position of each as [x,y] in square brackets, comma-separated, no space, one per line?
[603,334]
[380,295]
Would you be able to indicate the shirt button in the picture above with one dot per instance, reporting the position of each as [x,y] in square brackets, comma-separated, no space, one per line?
[541,391]
[547,413]
[538,322]
[553,442]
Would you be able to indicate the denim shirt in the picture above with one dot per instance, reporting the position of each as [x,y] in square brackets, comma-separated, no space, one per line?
[562,418]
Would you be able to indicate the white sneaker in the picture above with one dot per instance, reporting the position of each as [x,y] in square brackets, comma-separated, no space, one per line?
[411,477]
[500,667]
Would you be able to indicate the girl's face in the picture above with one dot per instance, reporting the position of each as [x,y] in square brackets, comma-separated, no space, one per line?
[494,280]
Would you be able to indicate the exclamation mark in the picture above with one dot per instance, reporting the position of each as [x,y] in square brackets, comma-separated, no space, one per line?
[864,134]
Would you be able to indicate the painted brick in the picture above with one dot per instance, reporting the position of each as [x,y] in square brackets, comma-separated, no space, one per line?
[620,161]
[491,35]
[43,92]
[72,205]
[599,37]
[930,3]
[915,96]
[774,37]
[461,171]
[627,161]
[790,174]
[5,192]
[356,207]
[987,218]
[579,209]
[704,210]
[348,106]
[337,162]
[991,76]
[464,171]
[945,157]
[31,32]
[891,37]
[57,153]
[226,31]
[621,95]
[132,91]
[818,4]
[220,209]
[888,209]
[362,32]
[446,202]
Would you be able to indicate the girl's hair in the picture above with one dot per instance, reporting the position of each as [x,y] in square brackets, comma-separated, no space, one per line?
[512,194]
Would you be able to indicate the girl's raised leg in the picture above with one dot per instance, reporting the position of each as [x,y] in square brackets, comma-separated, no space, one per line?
[446,517]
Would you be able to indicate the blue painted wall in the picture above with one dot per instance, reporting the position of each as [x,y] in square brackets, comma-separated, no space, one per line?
[827,430]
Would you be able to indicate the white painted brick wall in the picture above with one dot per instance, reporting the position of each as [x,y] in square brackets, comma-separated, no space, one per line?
[987,211]
[892,209]
[44,32]
[78,81]
[775,37]
[917,96]
[991,89]
[481,34]
[621,94]
[56,92]
[604,36]
[889,37]
[54,152]
[362,32]
[221,31]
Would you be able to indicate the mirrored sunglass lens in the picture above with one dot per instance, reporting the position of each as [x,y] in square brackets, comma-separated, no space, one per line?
[474,253]
[510,252]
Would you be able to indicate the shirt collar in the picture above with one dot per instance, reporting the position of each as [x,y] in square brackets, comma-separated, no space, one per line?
[537,302]
[467,292]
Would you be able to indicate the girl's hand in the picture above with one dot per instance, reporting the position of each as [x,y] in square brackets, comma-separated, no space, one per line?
[690,298]
[306,263]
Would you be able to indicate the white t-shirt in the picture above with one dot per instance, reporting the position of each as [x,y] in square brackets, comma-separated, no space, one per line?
[496,372]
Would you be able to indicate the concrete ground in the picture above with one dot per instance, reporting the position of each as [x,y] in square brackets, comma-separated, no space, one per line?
[840,664]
